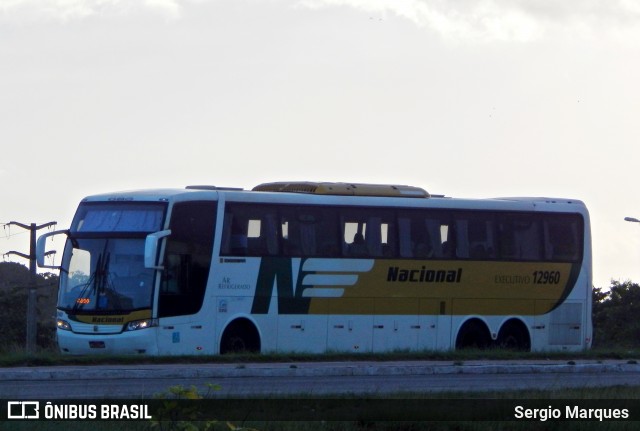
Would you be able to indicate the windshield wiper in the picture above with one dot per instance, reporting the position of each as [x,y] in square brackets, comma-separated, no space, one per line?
[99,281]
[103,284]
[79,304]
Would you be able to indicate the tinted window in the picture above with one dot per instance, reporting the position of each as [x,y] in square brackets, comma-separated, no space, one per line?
[309,231]
[475,236]
[187,258]
[250,230]
[322,231]
[424,235]
[119,217]
[563,237]
[520,237]
[367,232]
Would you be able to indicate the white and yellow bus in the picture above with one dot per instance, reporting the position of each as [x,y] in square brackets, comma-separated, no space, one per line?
[322,267]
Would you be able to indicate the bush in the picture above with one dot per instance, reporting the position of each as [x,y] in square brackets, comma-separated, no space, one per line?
[615,315]
[15,282]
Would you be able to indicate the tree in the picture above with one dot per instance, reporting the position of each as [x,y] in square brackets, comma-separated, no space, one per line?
[615,315]
[14,285]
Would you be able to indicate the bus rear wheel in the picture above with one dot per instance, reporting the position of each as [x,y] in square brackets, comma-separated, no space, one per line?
[514,336]
[474,334]
[241,336]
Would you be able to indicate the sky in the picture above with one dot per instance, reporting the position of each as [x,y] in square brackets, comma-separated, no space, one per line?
[467,98]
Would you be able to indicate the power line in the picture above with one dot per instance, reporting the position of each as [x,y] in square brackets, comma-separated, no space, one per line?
[6,227]
[11,235]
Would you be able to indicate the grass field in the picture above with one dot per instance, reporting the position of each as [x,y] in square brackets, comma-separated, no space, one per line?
[12,357]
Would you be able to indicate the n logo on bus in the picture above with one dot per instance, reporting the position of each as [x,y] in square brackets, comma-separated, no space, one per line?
[278,271]
[326,278]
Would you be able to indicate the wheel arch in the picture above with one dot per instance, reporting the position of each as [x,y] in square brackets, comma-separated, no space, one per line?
[514,326]
[473,330]
[245,324]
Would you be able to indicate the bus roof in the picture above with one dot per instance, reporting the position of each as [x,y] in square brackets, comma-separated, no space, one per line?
[340,194]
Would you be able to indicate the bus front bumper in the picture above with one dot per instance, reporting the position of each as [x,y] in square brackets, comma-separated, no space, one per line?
[141,342]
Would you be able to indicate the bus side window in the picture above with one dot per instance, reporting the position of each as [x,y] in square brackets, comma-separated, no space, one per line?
[234,236]
[418,238]
[327,231]
[388,241]
[475,236]
[520,237]
[250,230]
[308,237]
[562,233]
[298,233]
[375,237]
[354,239]
[405,244]
[440,235]
[187,258]
[368,233]
[288,235]
[308,231]
[255,243]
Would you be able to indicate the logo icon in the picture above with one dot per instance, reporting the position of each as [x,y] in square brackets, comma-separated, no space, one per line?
[23,410]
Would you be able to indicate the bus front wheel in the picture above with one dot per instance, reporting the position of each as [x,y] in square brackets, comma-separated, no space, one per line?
[241,336]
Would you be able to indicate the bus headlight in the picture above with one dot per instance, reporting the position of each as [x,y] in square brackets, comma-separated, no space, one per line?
[141,324]
[63,324]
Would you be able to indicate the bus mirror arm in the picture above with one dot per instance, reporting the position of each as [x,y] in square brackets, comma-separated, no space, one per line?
[151,249]
[41,248]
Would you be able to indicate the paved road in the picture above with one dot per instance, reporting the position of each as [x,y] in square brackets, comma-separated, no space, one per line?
[143,381]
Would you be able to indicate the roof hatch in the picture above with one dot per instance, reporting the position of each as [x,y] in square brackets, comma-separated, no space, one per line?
[344,189]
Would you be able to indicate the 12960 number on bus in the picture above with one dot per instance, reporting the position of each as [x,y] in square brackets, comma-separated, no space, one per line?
[546,277]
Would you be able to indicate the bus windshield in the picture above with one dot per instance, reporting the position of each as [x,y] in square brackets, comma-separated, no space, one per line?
[105,275]
[114,218]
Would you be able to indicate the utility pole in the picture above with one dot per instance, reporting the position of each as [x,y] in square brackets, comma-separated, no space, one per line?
[32,299]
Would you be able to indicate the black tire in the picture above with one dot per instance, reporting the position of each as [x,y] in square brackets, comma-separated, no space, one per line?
[473,335]
[514,336]
[241,336]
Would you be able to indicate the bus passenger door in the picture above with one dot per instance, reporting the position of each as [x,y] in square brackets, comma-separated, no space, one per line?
[183,326]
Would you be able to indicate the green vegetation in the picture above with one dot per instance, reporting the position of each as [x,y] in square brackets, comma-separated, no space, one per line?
[52,357]
[614,315]
[15,281]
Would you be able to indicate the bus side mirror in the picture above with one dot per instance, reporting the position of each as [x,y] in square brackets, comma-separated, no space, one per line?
[151,249]
[41,248]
